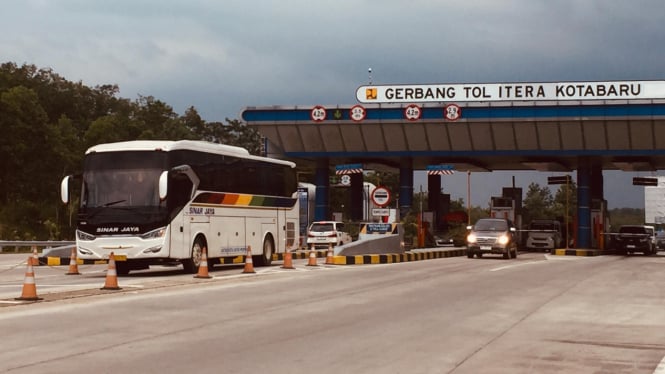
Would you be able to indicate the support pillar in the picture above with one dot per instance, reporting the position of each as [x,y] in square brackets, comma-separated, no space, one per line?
[596,186]
[357,201]
[434,198]
[405,188]
[322,199]
[584,173]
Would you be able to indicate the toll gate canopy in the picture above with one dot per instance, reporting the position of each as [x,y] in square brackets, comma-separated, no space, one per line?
[585,127]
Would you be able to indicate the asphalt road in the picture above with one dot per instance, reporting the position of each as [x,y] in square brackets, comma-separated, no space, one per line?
[535,314]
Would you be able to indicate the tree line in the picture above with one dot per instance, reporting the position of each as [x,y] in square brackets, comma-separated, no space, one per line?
[48,122]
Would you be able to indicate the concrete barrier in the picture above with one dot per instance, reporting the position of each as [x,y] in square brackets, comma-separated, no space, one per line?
[375,238]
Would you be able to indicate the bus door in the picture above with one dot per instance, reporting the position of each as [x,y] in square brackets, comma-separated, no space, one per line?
[198,222]
[280,240]
[178,202]
[179,246]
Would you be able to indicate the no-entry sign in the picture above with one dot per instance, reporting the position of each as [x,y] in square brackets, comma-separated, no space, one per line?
[381,196]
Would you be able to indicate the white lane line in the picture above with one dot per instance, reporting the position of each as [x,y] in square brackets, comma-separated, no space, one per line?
[518,264]
[548,257]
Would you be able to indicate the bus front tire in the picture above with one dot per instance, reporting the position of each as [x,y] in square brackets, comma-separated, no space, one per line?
[191,265]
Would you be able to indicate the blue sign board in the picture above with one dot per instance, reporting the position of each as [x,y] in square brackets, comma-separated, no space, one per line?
[440,167]
[379,228]
[348,166]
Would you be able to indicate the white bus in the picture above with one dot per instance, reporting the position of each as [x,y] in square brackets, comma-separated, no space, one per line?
[152,202]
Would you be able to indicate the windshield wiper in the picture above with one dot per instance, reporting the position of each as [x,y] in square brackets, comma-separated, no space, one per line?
[96,210]
[113,203]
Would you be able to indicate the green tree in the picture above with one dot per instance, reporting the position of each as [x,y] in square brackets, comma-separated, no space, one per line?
[565,202]
[538,203]
[625,216]
[47,124]
[27,158]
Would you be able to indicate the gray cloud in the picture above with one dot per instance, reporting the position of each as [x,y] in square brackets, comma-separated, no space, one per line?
[220,56]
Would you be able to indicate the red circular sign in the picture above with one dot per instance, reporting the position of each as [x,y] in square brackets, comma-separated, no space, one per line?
[452,112]
[412,112]
[358,113]
[381,196]
[318,113]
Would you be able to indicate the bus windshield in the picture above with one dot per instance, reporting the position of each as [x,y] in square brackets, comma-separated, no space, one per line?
[122,187]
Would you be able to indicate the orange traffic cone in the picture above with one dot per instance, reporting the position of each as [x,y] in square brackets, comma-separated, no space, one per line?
[203,266]
[288,261]
[35,256]
[312,257]
[249,264]
[111,275]
[29,292]
[329,256]
[73,266]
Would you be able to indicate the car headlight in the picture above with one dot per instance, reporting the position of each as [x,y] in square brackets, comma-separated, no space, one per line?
[157,233]
[471,238]
[84,235]
[503,239]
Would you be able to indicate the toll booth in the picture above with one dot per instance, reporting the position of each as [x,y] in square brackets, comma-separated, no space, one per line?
[502,207]
[599,223]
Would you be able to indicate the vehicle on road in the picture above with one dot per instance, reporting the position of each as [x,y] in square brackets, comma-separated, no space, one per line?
[544,234]
[492,236]
[636,238]
[155,202]
[660,240]
[455,236]
[444,240]
[322,234]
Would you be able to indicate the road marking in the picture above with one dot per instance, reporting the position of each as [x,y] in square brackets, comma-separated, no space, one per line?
[517,265]
[566,258]
[548,257]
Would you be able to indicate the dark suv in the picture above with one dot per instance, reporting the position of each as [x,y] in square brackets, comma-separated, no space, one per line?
[492,235]
[636,238]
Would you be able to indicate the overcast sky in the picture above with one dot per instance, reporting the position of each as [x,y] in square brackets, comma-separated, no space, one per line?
[222,56]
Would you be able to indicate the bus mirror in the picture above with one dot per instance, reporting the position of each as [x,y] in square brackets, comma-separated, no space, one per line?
[64,189]
[187,170]
[163,183]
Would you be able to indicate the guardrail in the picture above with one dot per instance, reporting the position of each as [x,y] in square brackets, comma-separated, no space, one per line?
[16,245]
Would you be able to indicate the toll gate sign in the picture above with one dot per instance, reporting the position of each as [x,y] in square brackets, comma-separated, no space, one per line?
[381,196]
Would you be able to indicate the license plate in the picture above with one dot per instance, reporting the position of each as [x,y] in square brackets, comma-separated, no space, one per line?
[630,246]
[485,248]
[120,257]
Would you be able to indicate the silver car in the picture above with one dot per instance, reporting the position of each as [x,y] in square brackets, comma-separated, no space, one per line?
[492,236]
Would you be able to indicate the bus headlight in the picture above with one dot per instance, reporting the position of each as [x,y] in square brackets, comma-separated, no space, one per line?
[84,235]
[153,249]
[154,234]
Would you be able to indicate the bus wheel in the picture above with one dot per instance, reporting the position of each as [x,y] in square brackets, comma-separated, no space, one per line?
[265,258]
[191,265]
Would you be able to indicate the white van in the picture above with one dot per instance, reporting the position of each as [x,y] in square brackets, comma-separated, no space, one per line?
[323,233]
[544,234]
